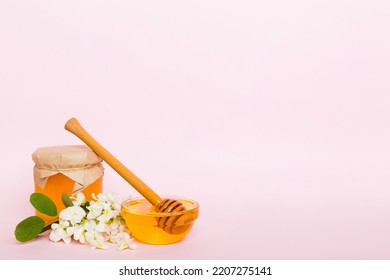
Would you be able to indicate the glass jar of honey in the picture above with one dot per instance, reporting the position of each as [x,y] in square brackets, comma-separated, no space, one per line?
[67,169]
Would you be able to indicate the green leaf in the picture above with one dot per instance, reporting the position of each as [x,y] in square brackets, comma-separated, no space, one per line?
[43,204]
[66,200]
[29,228]
[47,227]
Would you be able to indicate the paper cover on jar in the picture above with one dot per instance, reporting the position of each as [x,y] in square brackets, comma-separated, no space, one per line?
[78,162]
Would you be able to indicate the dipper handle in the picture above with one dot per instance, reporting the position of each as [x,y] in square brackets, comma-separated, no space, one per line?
[73,126]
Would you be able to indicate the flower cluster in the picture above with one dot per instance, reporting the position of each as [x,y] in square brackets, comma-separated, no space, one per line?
[94,222]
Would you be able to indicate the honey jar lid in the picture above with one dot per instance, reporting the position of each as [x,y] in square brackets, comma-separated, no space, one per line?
[65,157]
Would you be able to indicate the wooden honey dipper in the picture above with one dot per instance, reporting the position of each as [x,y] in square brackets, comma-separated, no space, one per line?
[168,224]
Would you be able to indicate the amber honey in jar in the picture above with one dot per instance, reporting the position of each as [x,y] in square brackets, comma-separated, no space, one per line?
[67,169]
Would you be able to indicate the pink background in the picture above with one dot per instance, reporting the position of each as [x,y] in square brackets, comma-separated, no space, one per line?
[274,115]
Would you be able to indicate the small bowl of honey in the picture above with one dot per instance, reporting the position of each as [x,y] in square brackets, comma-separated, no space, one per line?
[150,226]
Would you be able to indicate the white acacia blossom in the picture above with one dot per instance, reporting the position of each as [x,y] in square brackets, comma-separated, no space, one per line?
[94,222]
[79,199]
[73,214]
[59,232]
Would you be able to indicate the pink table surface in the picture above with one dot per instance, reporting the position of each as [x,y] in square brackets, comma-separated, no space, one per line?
[274,116]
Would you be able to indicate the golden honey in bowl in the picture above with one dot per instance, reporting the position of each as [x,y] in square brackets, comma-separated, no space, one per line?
[147,225]
[66,169]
